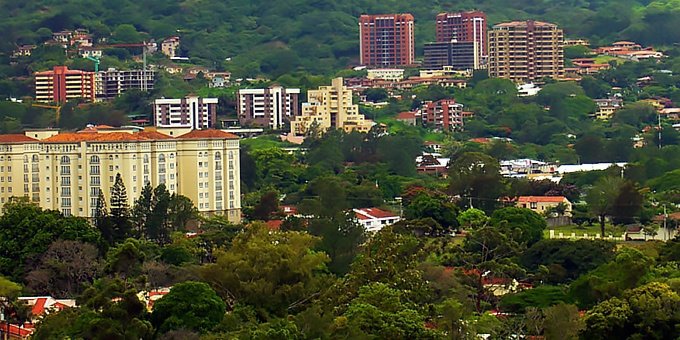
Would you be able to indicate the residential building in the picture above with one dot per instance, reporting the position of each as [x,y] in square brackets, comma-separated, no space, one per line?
[374,219]
[67,171]
[443,114]
[61,84]
[112,83]
[62,36]
[188,112]
[169,46]
[606,107]
[465,27]
[543,204]
[445,72]
[408,118]
[23,51]
[526,51]
[89,51]
[273,106]
[576,42]
[218,79]
[389,74]
[330,107]
[459,55]
[387,40]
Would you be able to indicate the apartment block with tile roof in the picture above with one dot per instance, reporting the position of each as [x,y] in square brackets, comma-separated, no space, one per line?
[66,171]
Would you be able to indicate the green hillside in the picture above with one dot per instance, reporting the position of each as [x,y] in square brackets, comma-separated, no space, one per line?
[277,37]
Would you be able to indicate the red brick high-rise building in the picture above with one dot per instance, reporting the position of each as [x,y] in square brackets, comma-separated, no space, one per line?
[464,27]
[387,40]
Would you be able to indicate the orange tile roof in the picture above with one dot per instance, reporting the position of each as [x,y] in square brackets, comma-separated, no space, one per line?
[546,199]
[39,307]
[16,138]
[71,137]
[210,134]
[154,135]
[406,115]
[372,213]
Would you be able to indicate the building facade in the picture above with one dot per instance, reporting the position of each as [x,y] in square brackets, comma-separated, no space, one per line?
[272,107]
[465,27]
[374,219]
[188,112]
[544,204]
[61,85]
[330,107]
[460,55]
[169,46]
[443,114]
[526,51]
[66,171]
[389,74]
[387,40]
[607,107]
[112,83]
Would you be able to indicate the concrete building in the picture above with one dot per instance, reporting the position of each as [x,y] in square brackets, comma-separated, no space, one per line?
[526,51]
[443,114]
[66,171]
[112,83]
[188,112]
[272,107]
[374,219]
[465,27]
[389,74]
[169,46]
[542,204]
[62,84]
[330,107]
[606,107]
[386,40]
[459,55]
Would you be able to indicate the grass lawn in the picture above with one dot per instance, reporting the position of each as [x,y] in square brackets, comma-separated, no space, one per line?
[604,59]
[264,142]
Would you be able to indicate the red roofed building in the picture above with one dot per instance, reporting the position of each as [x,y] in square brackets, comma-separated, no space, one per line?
[62,84]
[374,219]
[408,118]
[541,204]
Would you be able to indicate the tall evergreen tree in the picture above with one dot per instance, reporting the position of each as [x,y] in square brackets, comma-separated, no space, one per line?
[142,209]
[102,219]
[120,211]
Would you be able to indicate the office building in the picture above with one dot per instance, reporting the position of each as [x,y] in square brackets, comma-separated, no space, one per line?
[386,40]
[188,112]
[112,83]
[460,55]
[526,51]
[443,114]
[66,171]
[61,84]
[330,107]
[272,107]
[465,27]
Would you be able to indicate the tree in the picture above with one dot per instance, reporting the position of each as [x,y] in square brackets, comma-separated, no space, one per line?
[102,219]
[10,307]
[181,211]
[475,177]
[601,198]
[120,212]
[438,208]
[562,322]
[341,237]
[648,312]
[268,204]
[64,269]
[472,219]
[271,271]
[189,305]
[523,225]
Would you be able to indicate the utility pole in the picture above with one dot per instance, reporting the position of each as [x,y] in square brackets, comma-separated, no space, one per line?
[659,128]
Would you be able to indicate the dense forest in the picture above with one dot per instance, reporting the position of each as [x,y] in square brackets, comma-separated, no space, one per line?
[313,36]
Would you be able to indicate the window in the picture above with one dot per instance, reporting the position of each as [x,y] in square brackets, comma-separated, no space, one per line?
[95,180]
[66,202]
[65,170]
[146,158]
[94,170]
[146,168]
[533,205]
[218,156]
[66,181]
[66,192]
[161,158]
[94,160]
[65,160]
[110,167]
[25,158]
[111,179]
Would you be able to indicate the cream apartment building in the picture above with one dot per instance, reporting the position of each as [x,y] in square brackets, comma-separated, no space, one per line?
[66,171]
[330,107]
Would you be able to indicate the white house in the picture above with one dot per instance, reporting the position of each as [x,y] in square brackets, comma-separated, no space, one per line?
[374,219]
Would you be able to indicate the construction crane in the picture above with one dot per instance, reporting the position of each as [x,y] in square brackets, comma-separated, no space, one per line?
[56,108]
[96,62]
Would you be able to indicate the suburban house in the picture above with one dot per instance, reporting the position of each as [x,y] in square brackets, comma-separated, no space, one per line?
[541,204]
[374,219]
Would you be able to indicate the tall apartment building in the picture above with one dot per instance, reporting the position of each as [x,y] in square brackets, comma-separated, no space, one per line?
[526,51]
[188,112]
[112,83]
[273,106]
[460,55]
[330,107]
[443,114]
[465,27]
[61,84]
[66,171]
[387,40]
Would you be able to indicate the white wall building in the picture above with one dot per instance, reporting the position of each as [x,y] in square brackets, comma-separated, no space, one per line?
[189,112]
[374,219]
[389,74]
